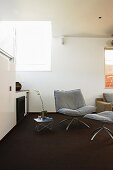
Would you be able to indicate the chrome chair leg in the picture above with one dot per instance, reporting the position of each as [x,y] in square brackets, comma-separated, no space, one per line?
[84,123]
[96,132]
[71,120]
[70,123]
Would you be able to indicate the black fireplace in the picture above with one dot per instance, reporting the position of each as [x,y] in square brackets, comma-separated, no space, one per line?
[20,108]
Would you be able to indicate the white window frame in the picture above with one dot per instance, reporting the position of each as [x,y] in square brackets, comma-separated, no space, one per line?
[108,69]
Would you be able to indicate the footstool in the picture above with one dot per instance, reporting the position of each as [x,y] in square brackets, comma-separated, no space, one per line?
[105,117]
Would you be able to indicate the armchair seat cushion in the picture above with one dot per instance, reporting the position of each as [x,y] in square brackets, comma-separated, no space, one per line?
[87,109]
[78,112]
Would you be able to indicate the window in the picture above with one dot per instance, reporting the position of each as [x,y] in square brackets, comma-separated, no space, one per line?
[109,68]
[7,37]
[32,43]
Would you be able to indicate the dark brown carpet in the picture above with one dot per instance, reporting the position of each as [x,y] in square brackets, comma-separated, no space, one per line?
[25,149]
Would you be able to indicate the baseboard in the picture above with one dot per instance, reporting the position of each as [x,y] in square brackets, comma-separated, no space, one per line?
[7,134]
[39,112]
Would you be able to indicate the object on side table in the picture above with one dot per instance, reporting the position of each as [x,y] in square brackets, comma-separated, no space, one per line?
[43,112]
[18,86]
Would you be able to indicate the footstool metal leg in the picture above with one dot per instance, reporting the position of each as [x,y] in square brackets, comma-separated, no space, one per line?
[109,132]
[105,117]
[96,132]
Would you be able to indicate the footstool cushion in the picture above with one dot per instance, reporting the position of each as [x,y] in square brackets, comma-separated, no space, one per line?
[105,117]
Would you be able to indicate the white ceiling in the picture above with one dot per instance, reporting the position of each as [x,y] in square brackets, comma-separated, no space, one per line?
[69,17]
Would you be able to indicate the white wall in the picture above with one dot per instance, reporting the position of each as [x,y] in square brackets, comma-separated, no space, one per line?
[7,97]
[79,63]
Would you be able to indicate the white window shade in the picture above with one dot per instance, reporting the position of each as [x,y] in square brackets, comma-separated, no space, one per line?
[33,44]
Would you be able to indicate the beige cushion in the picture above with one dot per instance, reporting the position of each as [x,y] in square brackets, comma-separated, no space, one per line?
[108,97]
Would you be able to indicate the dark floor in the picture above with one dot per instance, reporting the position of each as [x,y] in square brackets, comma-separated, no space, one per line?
[58,149]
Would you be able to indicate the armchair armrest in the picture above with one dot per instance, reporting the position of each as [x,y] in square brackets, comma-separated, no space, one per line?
[99,99]
[103,106]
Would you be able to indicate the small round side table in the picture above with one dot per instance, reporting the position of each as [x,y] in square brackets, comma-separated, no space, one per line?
[42,123]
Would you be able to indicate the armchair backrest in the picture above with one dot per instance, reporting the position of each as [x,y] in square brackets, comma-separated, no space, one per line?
[72,99]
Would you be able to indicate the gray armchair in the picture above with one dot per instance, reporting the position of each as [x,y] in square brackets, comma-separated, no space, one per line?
[71,103]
